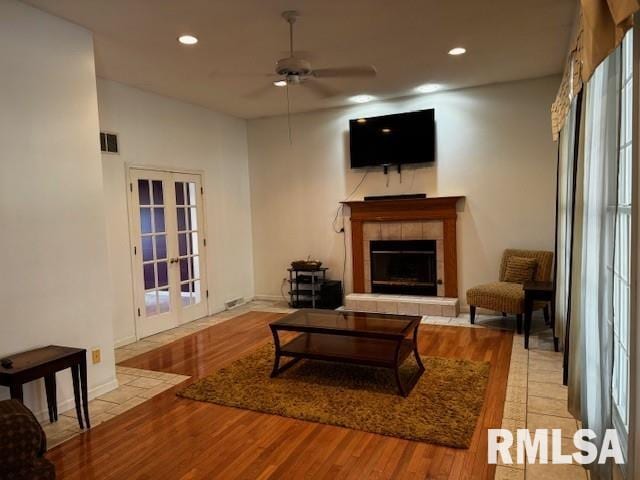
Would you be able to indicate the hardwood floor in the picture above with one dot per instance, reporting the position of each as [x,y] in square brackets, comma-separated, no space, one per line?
[169,437]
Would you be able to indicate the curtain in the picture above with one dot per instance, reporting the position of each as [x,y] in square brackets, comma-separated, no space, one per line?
[564,219]
[572,355]
[594,250]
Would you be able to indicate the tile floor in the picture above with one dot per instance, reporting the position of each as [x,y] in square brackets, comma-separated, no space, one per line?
[536,397]
[136,385]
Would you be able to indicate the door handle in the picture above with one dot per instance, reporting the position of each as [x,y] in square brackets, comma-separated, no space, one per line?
[174,260]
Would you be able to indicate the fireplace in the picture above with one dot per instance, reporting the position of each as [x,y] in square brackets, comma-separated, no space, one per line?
[404,267]
[405,220]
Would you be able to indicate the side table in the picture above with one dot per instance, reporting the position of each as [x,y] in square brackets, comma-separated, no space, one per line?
[44,363]
[538,292]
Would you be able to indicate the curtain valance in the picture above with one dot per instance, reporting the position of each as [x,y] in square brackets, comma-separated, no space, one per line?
[600,28]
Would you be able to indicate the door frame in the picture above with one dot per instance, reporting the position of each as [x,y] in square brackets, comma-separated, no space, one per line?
[133,241]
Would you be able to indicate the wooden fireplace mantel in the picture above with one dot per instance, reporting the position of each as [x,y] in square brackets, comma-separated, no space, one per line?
[399,210]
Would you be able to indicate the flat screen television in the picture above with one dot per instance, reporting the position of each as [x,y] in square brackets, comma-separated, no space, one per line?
[393,139]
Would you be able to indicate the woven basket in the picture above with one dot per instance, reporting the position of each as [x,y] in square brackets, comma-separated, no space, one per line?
[305,264]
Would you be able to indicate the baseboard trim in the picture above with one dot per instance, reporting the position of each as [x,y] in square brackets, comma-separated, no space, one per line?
[275,298]
[69,403]
[125,341]
[216,311]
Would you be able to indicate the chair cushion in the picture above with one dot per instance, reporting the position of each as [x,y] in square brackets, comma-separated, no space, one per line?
[520,269]
[40,469]
[22,444]
[498,296]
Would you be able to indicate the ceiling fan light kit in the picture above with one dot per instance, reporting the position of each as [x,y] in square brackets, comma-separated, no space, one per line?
[296,70]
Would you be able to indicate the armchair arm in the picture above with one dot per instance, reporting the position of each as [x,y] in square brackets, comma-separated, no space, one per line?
[22,439]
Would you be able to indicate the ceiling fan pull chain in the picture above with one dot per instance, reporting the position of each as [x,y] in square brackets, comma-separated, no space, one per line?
[289,114]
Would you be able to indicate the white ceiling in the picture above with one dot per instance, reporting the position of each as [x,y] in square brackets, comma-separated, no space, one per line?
[406,40]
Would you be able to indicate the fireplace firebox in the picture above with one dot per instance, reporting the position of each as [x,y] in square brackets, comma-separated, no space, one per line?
[404,267]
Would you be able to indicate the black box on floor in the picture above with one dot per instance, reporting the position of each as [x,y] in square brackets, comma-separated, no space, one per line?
[330,295]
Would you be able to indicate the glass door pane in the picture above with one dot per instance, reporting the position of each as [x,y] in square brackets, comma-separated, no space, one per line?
[190,241]
[188,249]
[153,239]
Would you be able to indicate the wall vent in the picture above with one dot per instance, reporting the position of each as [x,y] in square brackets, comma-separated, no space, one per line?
[234,303]
[108,142]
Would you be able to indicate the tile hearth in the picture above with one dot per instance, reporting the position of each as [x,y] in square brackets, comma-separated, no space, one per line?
[403,304]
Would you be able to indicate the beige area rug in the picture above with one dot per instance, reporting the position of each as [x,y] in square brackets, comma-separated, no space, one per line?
[443,407]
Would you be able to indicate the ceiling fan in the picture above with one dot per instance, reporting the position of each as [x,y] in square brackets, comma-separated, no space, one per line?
[295,70]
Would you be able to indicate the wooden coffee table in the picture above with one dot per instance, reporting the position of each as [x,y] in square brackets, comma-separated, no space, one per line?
[371,339]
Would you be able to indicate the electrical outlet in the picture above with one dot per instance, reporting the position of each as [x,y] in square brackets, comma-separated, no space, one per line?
[95,355]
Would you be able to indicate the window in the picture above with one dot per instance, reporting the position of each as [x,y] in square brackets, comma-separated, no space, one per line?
[622,252]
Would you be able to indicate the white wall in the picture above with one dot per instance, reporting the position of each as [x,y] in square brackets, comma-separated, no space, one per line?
[158,131]
[493,146]
[54,286]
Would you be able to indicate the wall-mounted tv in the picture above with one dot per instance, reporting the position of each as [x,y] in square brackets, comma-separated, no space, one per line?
[393,139]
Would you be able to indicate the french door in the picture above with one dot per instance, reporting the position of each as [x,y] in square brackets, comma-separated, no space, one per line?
[168,249]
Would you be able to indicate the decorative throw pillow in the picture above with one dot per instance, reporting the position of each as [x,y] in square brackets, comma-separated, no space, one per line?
[520,269]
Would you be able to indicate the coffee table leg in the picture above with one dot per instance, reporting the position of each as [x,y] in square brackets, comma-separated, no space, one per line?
[415,349]
[276,344]
[401,389]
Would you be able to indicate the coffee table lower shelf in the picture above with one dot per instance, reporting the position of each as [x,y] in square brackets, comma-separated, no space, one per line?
[359,350]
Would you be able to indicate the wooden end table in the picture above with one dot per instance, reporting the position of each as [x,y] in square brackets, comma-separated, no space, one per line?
[44,363]
[538,291]
[371,339]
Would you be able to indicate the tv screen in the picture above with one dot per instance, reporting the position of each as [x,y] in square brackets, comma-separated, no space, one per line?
[393,139]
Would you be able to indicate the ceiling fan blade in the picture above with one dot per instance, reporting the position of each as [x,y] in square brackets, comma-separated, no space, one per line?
[320,89]
[214,74]
[362,71]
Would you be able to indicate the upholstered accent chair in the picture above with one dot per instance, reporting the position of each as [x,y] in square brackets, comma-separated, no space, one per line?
[22,445]
[507,295]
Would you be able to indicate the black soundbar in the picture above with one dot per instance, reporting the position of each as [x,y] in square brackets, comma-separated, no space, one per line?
[411,196]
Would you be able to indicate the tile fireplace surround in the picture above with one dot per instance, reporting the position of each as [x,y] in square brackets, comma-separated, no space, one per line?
[405,219]
[429,230]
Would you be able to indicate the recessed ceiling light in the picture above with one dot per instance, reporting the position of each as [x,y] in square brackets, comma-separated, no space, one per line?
[457,51]
[187,39]
[280,83]
[427,88]
[361,98]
